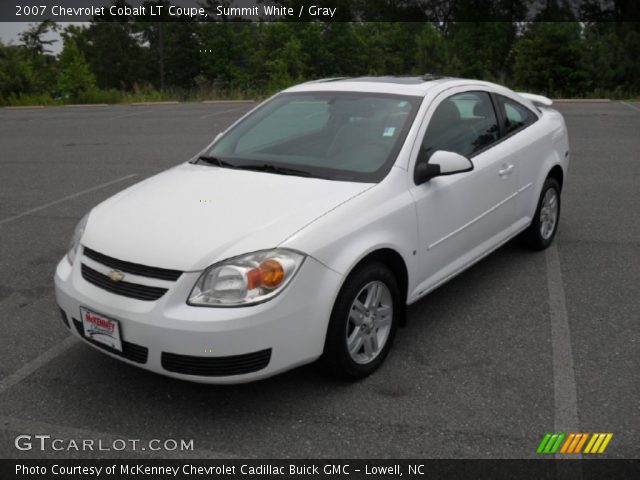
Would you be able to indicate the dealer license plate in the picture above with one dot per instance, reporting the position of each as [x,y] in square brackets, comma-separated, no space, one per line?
[101,329]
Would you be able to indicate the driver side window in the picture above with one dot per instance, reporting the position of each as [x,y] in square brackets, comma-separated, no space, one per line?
[463,123]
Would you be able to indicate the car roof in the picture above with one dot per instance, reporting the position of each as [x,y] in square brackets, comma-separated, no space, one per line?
[402,85]
[418,86]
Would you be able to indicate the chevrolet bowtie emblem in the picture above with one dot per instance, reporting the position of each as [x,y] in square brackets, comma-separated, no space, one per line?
[115,275]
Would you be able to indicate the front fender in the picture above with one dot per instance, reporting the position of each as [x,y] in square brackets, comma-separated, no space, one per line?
[384,217]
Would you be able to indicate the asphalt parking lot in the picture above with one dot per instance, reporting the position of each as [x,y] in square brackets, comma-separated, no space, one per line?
[519,345]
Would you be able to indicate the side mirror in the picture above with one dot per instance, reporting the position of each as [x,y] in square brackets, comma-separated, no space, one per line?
[440,163]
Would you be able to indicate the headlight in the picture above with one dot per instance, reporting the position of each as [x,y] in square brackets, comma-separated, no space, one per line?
[75,240]
[247,279]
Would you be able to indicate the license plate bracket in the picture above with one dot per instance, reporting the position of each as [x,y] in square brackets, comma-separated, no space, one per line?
[101,329]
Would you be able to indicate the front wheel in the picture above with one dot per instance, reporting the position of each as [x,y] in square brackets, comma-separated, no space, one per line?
[544,225]
[363,322]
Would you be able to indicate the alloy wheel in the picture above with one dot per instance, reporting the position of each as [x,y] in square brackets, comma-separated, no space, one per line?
[548,213]
[369,324]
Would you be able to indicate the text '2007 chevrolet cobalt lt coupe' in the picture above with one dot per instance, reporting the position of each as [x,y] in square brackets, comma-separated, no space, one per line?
[303,230]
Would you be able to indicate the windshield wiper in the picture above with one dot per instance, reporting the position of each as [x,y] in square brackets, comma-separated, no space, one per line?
[214,161]
[269,168]
[258,167]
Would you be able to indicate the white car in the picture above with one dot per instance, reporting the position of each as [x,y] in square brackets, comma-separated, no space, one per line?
[303,230]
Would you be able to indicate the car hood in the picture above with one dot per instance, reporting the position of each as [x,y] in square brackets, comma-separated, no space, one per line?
[192,216]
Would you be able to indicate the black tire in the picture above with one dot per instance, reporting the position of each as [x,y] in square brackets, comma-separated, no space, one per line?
[336,358]
[532,236]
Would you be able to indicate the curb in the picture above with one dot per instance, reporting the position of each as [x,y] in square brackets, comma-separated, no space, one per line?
[581,100]
[143,104]
[85,105]
[23,107]
[208,102]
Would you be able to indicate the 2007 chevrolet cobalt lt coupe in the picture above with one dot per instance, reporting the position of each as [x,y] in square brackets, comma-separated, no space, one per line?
[303,230]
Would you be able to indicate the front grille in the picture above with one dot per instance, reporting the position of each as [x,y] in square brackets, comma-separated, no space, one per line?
[134,268]
[130,351]
[216,366]
[127,289]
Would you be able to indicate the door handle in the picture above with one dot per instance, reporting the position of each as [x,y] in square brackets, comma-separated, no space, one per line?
[506,170]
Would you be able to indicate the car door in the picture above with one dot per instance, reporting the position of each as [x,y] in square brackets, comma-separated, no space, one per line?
[462,216]
[516,120]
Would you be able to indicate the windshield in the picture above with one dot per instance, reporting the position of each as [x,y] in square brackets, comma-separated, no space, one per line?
[349,136]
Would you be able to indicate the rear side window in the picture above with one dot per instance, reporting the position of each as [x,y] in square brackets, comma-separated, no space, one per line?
[463,123]
[516,116]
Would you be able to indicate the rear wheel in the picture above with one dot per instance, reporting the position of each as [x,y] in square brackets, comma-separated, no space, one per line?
[544,226]
[363,322]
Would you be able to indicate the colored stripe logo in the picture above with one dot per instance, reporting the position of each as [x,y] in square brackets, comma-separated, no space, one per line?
[553,443]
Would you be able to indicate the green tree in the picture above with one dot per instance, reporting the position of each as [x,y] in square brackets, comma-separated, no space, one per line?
[282,53]
[391,47]
[612,56]
[431,50]
[550,58]
[481,49]
[173,45]
[32,38]
[346,48]
[232,54]
[74,77]
[42,64]
[612,47]
[113,53]
[16,72]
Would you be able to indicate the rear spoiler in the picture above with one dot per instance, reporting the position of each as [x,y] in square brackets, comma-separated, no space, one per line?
[537,99]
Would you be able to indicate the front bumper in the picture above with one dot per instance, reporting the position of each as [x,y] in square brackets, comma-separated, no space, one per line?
[204,344]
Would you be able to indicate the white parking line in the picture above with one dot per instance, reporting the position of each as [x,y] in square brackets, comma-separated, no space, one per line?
[631,106]
[64,199]
[30,427]
[23,372]
[564,381]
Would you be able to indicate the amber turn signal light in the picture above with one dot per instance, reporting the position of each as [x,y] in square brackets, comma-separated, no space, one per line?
[271,273]
[268,275]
